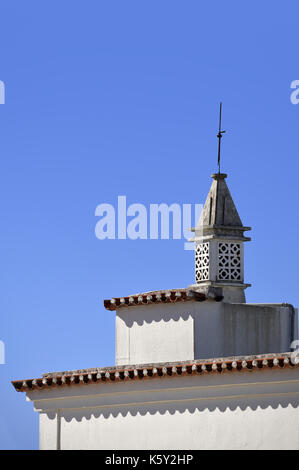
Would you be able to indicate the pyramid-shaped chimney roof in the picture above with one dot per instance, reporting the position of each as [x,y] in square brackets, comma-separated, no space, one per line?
[219,208]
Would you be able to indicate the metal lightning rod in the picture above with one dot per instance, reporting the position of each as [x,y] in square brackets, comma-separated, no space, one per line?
[219,135]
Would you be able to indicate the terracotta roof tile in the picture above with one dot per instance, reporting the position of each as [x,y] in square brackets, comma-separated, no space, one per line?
[151,371]
[159,296]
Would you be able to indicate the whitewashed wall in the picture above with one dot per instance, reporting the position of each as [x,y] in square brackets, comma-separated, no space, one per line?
[154,333]
[197,330]
[238,410]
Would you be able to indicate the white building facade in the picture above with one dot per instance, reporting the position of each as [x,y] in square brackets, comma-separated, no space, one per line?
[196,368]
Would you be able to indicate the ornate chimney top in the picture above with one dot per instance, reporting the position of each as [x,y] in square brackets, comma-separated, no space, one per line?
[219,237]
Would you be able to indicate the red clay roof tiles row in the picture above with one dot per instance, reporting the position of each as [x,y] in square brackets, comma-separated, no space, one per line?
[141,372]
[161,296]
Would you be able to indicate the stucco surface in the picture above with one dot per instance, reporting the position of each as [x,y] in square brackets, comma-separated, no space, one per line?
[193,330]
[250,410]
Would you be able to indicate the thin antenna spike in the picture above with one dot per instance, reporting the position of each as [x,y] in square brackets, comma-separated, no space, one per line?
[219,135]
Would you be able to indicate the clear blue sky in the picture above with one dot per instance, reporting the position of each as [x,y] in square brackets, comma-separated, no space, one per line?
[121,98]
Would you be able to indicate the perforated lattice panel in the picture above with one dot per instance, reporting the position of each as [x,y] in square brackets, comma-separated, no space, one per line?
[202,258]
[229,265]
